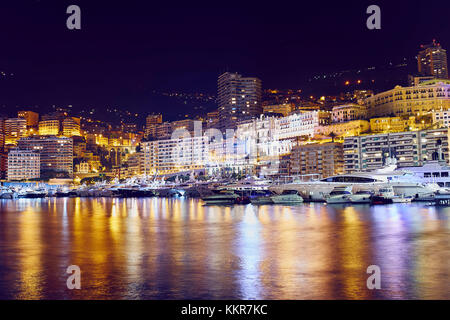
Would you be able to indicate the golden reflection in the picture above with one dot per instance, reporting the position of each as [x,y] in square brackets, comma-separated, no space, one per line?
[354,254]
[30,245]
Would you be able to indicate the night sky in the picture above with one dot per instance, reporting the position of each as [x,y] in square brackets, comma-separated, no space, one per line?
[127,49]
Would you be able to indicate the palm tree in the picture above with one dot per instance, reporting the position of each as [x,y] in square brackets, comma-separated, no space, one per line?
[332,135]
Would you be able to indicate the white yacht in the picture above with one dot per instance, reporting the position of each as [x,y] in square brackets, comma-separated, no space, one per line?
[339,195]
[287,197]
[362,196]
[404,182]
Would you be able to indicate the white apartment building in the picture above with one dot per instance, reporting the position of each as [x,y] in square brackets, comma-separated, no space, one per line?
[175,155]
[442,117]
[297,125]
[410,148]
[23,165]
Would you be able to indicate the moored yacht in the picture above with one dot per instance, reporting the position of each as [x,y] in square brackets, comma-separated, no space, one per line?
[403,182]
[287,197]
[339,195]
[224,197]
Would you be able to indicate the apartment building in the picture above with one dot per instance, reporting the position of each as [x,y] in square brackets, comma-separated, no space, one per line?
[410,148]
[23,165]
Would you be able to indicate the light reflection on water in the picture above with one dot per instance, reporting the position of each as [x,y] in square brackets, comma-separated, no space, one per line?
[177,248]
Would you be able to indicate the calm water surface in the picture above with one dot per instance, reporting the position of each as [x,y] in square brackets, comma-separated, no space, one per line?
[179,249]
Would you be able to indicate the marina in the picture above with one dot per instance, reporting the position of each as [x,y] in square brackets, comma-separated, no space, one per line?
[178,248]
[383,186]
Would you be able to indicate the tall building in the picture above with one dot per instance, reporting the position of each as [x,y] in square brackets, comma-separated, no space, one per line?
[239,98]
[151,124]
[49,127]
[432,61]
[14,128]
[56,153]
[23,165]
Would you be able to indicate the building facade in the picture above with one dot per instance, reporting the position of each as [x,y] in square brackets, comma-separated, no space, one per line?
[56,153]
[322,160]
[15,128]
[239,98]
[417,100]
[151,123]
[410,148]
[71,127]
[49,128]
[175,155]
[348,112]
[432,61]
[23,165]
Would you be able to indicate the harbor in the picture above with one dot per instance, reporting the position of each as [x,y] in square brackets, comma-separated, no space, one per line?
[382,186]
[178,248]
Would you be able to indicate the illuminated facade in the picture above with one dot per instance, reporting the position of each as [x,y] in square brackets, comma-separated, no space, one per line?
[71,127]
[418,100]
[151,123]
[410,148]
[395,124]
[239,98]
[175,155]
[15,129]
[348,112]
[297,124]
[283,109]
[31,117]
[56,153]
[49,127]
[432,61]
[23,165]
[323,160]
[344,129]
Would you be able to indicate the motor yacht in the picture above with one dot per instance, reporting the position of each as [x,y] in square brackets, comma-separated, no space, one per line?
[261,197]
[403,182]
[339,195]
[224,197]
[362,196]
[287,197]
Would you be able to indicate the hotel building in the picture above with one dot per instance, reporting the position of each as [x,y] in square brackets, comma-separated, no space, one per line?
[297,124]
[418,100]
[410,148]
[23,165]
